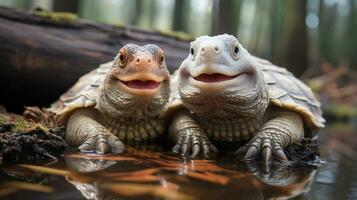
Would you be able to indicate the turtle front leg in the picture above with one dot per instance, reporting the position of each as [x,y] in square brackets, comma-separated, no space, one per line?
[84,129]
[189,137]
[284,129]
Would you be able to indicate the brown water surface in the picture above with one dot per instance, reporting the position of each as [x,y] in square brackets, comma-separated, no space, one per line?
[150,173]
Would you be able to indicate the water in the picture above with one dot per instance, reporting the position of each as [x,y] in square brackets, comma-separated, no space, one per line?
[153,174]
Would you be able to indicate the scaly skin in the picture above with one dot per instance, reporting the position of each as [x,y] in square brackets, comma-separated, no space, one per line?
[128,104]
[224,89]
[188,134]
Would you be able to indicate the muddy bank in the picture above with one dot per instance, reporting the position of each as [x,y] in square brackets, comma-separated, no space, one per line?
[24,141]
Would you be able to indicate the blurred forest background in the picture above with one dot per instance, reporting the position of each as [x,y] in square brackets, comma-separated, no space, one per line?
[315,39]
[294,33]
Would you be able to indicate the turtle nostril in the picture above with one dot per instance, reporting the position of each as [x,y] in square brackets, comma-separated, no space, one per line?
[138,60]
[149,60]
[216,49]
[202,51]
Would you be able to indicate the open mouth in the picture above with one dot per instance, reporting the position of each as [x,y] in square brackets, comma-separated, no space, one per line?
[212,78]
[142,85]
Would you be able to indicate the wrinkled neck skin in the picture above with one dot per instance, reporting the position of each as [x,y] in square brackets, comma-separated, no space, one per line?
[244,101]
[114,103]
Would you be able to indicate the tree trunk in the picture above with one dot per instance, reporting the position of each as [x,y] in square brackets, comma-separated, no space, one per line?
[352,32]
[180,15]
[41,58]
[228,13]
[292,51]
[66,6]
[138,10]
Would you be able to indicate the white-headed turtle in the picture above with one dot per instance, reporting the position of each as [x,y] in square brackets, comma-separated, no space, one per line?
[233,96]
[119,101]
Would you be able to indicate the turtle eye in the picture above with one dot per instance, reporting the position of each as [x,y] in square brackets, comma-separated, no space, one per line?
[235,51]
[161,58]
[122,57]
[192,51]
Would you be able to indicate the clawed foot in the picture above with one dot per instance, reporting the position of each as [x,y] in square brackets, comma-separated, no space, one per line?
[194,144]
[263,145]
[102,144]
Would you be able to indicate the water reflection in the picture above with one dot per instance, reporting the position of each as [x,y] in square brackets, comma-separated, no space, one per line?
[155,174]
[141,174]
[176,179]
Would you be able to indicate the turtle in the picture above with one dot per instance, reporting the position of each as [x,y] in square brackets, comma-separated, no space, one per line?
[119,101]
[224,95]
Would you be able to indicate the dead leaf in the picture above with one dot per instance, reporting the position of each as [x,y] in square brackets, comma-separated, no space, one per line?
[147,189]
[29,186]
[213,178]
[45,170]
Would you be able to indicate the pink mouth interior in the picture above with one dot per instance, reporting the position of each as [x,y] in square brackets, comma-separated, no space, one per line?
[210,78]
[137,84]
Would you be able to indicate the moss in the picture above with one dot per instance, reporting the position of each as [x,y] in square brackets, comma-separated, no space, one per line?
[3,119]
[118,24]
[22,126]
[19,124]
[26,141]
[58,17]
[176,34]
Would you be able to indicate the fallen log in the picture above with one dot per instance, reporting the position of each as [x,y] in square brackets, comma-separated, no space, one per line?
[42,53]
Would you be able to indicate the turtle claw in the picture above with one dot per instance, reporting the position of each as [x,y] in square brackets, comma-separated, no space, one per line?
[86,148]
[265,146]
[176,148]
[195,150]
[193,145]
[102,144]
[251,154]
[280,155]
[267,155]
[102,148]
[184,149]
[213,148]
[117,147]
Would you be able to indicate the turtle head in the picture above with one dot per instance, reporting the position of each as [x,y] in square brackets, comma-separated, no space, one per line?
[138,80]
[140,70]
[219,77]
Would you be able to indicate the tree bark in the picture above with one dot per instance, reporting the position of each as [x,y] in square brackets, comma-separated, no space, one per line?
[41,58]
[352,32]
[292,50]
[180,15]
[228,17]
[66,6]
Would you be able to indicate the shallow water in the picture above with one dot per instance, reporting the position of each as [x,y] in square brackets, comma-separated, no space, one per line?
[153,174]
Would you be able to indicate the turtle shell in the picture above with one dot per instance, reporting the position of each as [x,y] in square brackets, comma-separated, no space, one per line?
[82,94]
[288,92]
